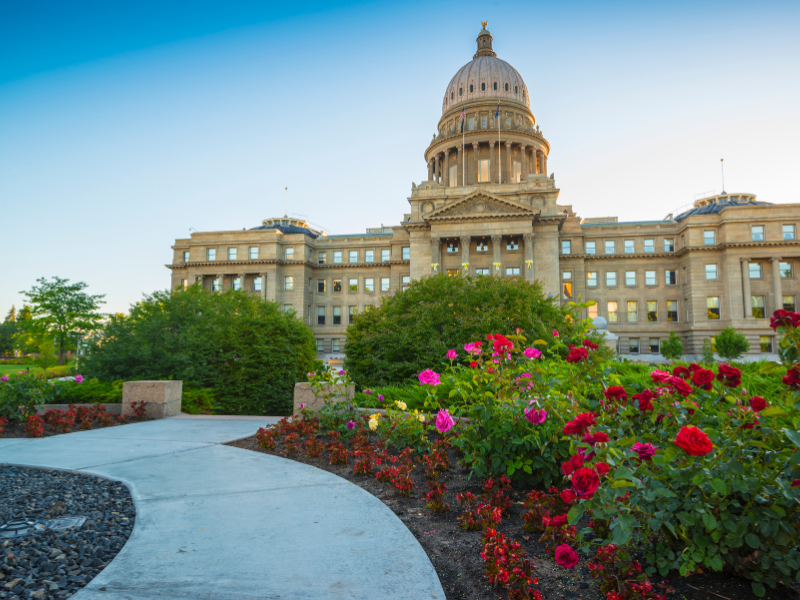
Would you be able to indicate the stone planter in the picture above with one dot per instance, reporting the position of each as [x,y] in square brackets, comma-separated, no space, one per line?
[163,397]
[304,394]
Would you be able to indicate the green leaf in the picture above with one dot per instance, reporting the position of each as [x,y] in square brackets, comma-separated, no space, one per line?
[720,486]
[575,513]
[758,589]
[618,483]
[778,510]
[540,343]
[772,410]
[709,521]
[622,530]
[670,453]
[794,436]
[753,541]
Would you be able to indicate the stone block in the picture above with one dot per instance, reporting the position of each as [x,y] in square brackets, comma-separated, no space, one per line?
[163,397]
[304,394]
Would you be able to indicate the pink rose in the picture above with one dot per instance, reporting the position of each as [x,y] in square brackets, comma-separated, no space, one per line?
[78,378]
[350,424]
[302,405]
[428,377]
[536,415]
[444,421]
[532,352]
[341,372]
[380,397]
[4,378]
[645,451]
[473,348]
[660,376]
[566,557]
[555,333]
[452,354]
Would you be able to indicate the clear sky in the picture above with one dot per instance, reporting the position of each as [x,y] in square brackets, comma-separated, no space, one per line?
[125,124]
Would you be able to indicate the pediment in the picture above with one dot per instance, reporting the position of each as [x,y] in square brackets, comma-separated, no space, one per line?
[481,205]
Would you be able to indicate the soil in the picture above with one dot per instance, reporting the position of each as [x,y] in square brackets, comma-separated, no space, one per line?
[455,553]
[17,430]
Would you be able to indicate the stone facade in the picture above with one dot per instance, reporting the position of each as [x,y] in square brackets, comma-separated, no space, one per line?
[489,207]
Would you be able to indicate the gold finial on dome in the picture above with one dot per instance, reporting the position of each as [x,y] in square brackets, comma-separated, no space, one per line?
[484,24]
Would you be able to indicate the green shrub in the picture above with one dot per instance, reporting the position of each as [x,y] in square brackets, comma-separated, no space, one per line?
[672,348]
[731,344]
[249,352]
[707,353]
[20,395]
[90,391]
[412,330]
[198,401]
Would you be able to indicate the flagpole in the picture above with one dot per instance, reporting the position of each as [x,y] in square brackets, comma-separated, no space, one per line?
[499,149]
[463,158]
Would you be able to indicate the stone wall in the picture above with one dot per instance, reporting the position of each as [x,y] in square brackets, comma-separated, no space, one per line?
[304,394]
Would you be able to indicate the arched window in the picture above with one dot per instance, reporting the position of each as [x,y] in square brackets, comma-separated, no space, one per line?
[506,87]
[452,95]
[460,91]
[523,95]
[484,43]
[483,87]
[495,86]
[471,89]
[516,90]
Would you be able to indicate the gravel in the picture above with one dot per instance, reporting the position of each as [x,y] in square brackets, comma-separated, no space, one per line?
[56,564]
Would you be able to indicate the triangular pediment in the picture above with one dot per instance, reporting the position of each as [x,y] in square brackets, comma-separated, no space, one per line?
[480,205]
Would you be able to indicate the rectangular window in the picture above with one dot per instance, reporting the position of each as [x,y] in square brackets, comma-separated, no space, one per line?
[612,311]
[320,315]
[788,232]
[566,284]
[766,343]
[353,256]
[337,285]
[288,253]
[709,237]
[652,311]
[630,278]
[253,253]
[483,170]
[369,256]
[406,253]
[336,345]
[592,311]
[231,253]
[566,246]
[671,277]
[610,247]
[211,254]
[337,257]
[513,243]
[512,271]
[629,248]
[483,122]
[649,245]
[258,284]
[669,244]
[321,286]
[353,285]
[369,284]
[288,282]
[337,315]
[322,258]
[406,282]
[453,179]
[654,347]
[591,279]
[287,307]
[759,310]
[757,233]
[711,272]
[452,246]
[185,257]
[633,311]
[384,284]
[672,311]
[216,284]
[237,283]
[482,246]
[633,345]
[386,255]
[611,278]
[650,278]
[591,247]
[482,272]
[352,311]
[712,303]
[789,303]
[471,124]
[785,269]
[320,346]
[755,270]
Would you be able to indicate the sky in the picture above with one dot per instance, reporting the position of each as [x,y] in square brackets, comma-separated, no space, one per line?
[123,125]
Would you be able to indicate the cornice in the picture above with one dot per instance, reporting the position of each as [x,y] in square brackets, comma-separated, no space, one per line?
[273,261]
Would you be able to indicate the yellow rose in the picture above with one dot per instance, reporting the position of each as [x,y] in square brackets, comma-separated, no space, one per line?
[401,405]
[373,424]
[422,418]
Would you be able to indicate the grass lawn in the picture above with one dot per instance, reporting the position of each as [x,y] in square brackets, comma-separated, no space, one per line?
[14,369]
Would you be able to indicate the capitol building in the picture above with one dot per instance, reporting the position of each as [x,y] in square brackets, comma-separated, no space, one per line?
[489,207]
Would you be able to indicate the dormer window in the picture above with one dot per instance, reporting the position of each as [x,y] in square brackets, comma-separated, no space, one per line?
[506,87]
[460,91]
[516,90]
[471,89]
[483,87]
[495,86]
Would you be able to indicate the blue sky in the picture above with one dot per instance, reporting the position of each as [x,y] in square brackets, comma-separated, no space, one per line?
[124,124]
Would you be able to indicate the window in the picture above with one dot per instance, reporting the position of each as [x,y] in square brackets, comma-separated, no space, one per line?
[495,86]
[612,312]
[709,237]
[669,244]
[452,246]
[406,282]
[630,278]
[672,311]
[786,270]
[506,87]
[288,282]
[288,253]
[712,304]
[788,232]
[310,285]
[482,272]
[650,278]
[185,257]
[483,87]
[288,307]
[592,311]
[654,346]
[483,165]
[611,278]
[759,311]
[566,278]
[320,346]
[766,343]
[237,283]
[591,279]
[471,88]
[406,253]
[384,284]
[628,247]
[386,255]
[321,286]
[671,277]
[789,303]
[211,254]
[460,91]
[512,271]
[566,246]
[184,284]
[516,171]
[336,345]
[633,345]
[231,253]
[711,272]
[258,284]
[352,311]
[369,256]
[757,233]
[591,247]
[755,270]
[353,256]
[513,243]
[369,284]
[482,246]
[320,315]
[471,121]
[353,285]
[322,258]
[483,119]
[683,241]
[253,253]
[337,315]
[337,285]
[216,284]
[337,257]
[652,311]
[610,247]
[633,311]
[649,245]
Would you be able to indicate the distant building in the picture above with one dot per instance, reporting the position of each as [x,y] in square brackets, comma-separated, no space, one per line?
[488,207]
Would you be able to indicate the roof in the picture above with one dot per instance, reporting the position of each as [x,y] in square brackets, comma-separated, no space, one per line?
[617,223]
[716,207]
[290,229]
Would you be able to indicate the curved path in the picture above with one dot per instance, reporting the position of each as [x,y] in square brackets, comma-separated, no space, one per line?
[213,521]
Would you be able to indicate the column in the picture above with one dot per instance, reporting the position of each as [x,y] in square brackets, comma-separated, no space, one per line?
[536,164]
[435,249]
[436,168]
[544,163]
[221,282]
[430,170]
[459,166]
[199,279]
[496,241]
[242,279]
[748,302]
[524,158]
[777,284]
[263,285]
[528,241]
[492,164]
[447,167]
[465,241]
[475,147]
[508,171]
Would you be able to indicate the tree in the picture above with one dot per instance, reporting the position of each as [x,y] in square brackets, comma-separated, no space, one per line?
[672,348]
[412,330]
[59,308]
[8,329]
[731,344]
[47,357]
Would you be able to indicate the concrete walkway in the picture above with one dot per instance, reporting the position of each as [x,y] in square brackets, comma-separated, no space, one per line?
[214,521]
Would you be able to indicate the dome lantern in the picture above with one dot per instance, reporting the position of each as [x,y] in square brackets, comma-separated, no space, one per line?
[484,42]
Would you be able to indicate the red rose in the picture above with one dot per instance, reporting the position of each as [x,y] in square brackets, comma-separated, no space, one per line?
[616,392]
[645,400]
[784,318]
[703,378]
[501,344]
[580,424]
[682,372]
[585,482]
[590,345]
[473,364]
[598,437]
[694,367]
[577,355]
[757,403]
[729,376]
[573,463]
[679,386]
[660,376]
[693,441]
[792,378]
[568,496]
[566,557]
[796,483]
[558,521]
[601,468]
